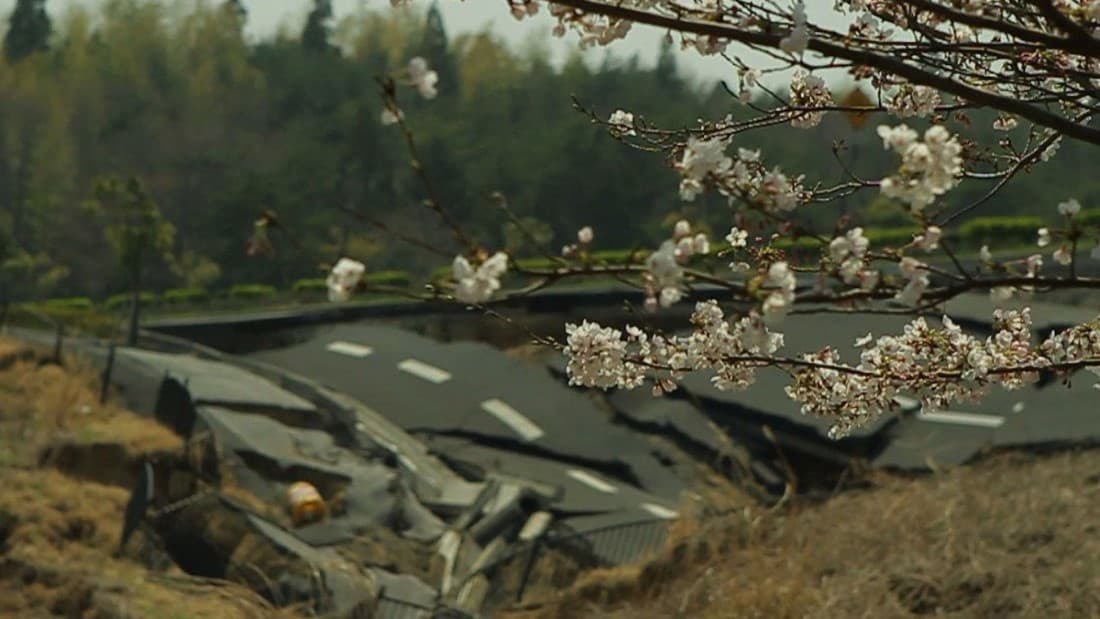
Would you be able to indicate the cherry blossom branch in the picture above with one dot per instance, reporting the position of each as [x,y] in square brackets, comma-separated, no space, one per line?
[863,57]
[388,92]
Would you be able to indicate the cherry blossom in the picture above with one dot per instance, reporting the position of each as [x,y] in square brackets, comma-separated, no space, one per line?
[622,123]
[929,168]
[344,278]
[390,117]
[423,78]
[799,38]
[929,240]
[478,285]
[1069,208]
[737,237]
[585,235]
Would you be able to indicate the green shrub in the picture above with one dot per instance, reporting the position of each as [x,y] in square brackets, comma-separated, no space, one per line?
[398,279]
[890,237]
[185,296]
[540,263]
[1089,216]
[310,287]
[251,291]
[1020,229]
[68,304]
[620,256]
[441,273]
[803,248]
[118,301]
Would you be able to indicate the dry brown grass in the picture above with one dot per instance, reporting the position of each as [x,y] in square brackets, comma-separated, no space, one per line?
[58,532]
[58,559]
[1015,536]
[42,404]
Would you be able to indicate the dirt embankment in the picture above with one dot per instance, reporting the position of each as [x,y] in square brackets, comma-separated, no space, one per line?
[66,466]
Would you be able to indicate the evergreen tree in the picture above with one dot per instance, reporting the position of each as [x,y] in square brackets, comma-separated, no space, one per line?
[29,30]
[435,48]
[666,70]
[315,34]
[236,7]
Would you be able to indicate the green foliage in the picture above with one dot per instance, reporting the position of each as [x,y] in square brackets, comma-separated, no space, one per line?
[68,304]
[132,223]
[1000,230]
[119,301]
[310,287]
[1089,216]
[23,274]
[196,272]
[891,237]
[620,256]
[251,291]
[185,296]
[28,30]
[396,279]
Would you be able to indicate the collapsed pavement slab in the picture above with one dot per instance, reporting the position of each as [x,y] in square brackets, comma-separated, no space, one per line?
[473,391]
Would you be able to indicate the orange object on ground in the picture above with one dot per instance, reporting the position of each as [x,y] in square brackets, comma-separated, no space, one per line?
[306,504]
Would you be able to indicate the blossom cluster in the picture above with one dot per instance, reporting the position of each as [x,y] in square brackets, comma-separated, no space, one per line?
[1064,253]
[585,236]
[606,358]
[808,92]
[849,252]
[664,275]
[929,167]
[799,38]
[344,279]
[743,176]
[593,29]
[779,283]
[418,75]
[910,100]
[477,285]
[938,365]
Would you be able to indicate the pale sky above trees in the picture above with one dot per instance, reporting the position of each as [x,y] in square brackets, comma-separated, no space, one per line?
[266,16]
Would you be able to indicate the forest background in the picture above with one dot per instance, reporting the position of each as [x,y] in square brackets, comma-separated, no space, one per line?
[219,130]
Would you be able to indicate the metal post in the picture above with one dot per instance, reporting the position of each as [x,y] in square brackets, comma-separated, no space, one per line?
[57,343]
[107,370]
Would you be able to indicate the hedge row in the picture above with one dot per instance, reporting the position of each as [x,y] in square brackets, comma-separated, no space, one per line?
[194,296]
[972,234]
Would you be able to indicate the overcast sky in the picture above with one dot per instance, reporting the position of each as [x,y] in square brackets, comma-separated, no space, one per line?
[265,17]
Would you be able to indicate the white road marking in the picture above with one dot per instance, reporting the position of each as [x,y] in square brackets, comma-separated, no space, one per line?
[592,481]
[513,419]
[349,349]
[965,419]
[659,511]
[422,370]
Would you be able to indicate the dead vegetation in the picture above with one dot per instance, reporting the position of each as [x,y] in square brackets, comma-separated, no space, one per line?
[1015,536]
[65,465]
